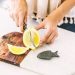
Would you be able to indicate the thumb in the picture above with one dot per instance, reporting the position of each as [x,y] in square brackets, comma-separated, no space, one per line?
[40,26]
[25,18]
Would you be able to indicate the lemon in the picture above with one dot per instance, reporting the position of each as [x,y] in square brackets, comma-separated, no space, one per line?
[17,49]
[31,38]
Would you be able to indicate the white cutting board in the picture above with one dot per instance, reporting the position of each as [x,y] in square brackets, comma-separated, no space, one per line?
[64,65]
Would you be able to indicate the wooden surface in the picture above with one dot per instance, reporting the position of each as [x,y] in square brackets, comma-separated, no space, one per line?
[14,38]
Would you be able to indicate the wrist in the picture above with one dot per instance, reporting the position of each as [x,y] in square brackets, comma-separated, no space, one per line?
[51,21]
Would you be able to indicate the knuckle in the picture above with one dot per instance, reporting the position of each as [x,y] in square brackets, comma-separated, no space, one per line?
[48,42]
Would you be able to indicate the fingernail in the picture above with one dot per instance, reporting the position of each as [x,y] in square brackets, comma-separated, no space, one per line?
[47,43]
[17,25]
[40,45]
[24,26]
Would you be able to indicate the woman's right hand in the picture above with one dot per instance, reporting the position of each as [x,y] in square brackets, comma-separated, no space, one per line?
[18,12]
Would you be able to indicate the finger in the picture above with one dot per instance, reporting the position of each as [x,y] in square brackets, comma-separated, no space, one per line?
[40,26]
[25,19]
[41,44]
[46,36]
[21,22]
[11,15]
[16,20]
[25,22]
[51,37]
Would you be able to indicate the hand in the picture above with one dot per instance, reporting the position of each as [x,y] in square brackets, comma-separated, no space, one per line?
[51,31]
[19,12]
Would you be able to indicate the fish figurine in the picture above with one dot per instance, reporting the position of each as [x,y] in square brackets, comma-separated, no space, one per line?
[47,55]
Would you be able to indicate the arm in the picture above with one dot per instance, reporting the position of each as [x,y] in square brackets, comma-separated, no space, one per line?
[50,22]
[60,12]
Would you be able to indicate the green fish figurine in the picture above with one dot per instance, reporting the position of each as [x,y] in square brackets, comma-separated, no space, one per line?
[47,55]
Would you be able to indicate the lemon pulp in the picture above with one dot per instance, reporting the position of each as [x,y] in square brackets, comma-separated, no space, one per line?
[31,38]
[17,49]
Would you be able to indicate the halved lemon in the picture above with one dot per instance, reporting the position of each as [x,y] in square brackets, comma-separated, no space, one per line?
[17,49]
[31,38]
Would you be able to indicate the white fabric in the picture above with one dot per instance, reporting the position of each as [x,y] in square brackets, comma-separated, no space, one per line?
[44,7]
[41,6]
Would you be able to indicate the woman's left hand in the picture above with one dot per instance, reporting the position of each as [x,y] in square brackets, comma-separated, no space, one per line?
[51,31]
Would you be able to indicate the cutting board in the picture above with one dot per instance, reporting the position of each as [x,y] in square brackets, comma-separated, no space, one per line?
[64,65]
[14,38]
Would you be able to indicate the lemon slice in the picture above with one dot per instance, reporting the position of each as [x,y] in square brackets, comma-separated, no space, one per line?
[17,49]
[31,38]
[35,37]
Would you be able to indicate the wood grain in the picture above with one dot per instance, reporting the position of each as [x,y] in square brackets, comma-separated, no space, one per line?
[14,38]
